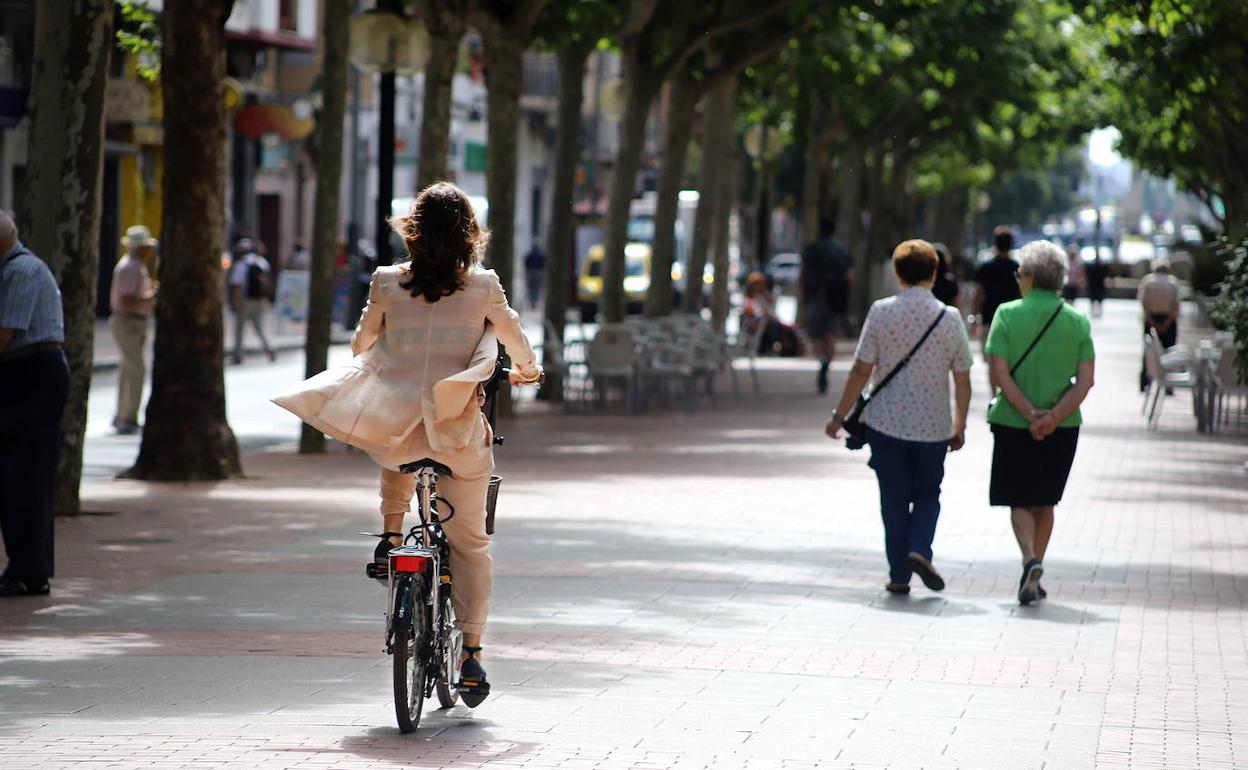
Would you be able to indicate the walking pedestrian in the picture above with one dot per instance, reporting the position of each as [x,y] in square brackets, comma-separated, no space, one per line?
[34,384]
[946,288]
[910,345]
[995,283]
[132,297]
[251,290]
[534,274]
[1159,299]
[1095,275]
[827,275]
[1036,347]
[1077,275]
[422,341]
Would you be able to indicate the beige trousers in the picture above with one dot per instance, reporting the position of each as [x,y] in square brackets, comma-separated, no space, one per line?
[131,335]
[472,569]
[250,311]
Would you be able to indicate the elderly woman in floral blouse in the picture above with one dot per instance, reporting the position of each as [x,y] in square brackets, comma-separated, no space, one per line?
[910,425]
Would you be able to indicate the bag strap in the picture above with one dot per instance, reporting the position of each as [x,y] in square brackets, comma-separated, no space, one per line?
[902,364]
[22,250]
[1036,341]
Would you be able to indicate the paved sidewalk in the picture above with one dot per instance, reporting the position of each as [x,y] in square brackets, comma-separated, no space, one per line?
[282,335]
[672,591]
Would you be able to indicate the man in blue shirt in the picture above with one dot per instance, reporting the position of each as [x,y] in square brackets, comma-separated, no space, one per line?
[34,384]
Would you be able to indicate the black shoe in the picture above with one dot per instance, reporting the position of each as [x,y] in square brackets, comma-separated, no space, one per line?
[821,381]
[1040,592]
[15,587]
[473,687]
[922,567]
[1029,584]
[897,589]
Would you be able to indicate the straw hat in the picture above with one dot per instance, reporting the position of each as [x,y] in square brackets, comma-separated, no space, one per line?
[138,236]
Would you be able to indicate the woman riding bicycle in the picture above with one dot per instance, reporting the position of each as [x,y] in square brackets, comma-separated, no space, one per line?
[427,318]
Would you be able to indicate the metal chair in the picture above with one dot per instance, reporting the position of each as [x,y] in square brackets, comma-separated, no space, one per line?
[1164,380]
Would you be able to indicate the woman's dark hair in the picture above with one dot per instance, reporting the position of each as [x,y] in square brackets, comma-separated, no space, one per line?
[443,241]
[915,261]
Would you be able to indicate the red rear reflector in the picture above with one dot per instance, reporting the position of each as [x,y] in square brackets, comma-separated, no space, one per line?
[409,563]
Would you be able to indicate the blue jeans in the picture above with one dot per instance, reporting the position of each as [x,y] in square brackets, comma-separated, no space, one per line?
[909,473]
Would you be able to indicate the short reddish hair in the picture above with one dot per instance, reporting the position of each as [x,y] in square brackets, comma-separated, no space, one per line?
[915,261]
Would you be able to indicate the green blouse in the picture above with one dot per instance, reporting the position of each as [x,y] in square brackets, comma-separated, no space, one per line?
[1050,367]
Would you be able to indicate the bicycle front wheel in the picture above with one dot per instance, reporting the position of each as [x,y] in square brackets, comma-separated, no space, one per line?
[409,664]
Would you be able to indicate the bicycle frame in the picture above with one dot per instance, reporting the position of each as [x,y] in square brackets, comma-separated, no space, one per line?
[424,550]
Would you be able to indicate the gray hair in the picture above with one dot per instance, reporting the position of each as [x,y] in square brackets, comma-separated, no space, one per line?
[8,228]
[1045,262]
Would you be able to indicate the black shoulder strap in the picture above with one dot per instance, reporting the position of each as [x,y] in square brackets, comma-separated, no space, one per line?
[1034,342]
[902,364]
[20,251]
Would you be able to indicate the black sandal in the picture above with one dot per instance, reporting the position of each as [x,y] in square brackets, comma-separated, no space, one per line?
[379,569]
[473,687]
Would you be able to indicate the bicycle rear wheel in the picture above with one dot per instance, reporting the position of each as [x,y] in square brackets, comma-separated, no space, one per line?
[409,662]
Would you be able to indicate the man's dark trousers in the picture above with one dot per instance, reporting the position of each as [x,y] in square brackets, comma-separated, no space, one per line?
[1168,339]
[33,390]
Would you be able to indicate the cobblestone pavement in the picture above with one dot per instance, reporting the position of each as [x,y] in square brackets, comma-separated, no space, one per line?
[672,591]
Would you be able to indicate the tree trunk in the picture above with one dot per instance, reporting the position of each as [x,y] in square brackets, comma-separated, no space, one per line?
[447,28]
[816,160]
[560,236]
[866,259]
[337,16]
[186,436]
[623,178]
[504,68]
[717,132]
[73,39]
[681,103]
[719,235]
[849,184]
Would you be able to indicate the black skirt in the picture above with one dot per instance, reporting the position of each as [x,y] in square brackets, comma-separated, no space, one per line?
[1027,473]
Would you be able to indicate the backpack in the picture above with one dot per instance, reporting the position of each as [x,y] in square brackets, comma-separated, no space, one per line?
[825,265]
[259,283]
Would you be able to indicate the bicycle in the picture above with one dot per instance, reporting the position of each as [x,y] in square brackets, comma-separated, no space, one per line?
[421,636]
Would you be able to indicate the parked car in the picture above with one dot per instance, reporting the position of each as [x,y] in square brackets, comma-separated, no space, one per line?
[784,269]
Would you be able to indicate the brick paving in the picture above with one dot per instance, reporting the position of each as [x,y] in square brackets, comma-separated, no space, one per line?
[672,591]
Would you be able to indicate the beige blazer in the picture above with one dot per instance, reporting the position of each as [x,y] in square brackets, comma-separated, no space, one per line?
[416,367]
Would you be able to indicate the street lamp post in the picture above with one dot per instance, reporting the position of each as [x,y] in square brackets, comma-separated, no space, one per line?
[385,41]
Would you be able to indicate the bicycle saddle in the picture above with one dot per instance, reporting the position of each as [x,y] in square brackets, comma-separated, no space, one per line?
[420,465]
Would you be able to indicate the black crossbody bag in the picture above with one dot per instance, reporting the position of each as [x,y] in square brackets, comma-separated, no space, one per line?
[853,424]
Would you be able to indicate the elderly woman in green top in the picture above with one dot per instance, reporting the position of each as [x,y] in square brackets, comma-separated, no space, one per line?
[1040,361]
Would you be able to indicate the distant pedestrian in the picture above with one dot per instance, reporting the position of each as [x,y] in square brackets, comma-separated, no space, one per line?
[946,288]
[534,273]
[1095,274]
[827,276]
[1036,347]
[909,423]
[300,258]
[1159,299]
[995,282]
[1076,277]
[34,384]
[132,297]
[251,290]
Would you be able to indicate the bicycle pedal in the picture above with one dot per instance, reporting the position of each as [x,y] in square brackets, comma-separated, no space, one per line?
[473,692]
